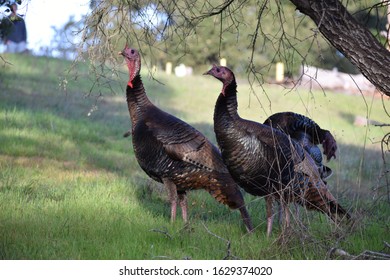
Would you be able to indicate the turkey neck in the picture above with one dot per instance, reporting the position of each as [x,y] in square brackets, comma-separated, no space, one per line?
[137,101]
[226,106]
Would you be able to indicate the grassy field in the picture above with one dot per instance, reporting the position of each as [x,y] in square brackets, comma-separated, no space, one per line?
[70,187]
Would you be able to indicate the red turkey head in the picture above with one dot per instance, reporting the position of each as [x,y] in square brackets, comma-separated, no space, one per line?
[133,61]
[224,74]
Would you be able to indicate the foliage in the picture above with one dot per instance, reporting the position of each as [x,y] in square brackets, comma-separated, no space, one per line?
[253,34]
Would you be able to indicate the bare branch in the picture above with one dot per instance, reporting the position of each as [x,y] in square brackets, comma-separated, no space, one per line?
[164,232]
[336,23]
[228,244]
[365,255]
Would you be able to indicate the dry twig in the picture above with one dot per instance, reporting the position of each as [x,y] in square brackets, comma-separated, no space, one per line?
[228,244]
[166,234]
[365,255]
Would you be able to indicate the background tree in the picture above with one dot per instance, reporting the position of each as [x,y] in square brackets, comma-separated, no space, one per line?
[351,38]
[251,34]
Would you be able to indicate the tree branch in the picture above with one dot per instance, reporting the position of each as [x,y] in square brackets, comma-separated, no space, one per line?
[347,35]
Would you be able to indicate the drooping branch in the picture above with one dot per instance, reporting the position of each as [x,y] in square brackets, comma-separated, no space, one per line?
[355,41]
[219,10]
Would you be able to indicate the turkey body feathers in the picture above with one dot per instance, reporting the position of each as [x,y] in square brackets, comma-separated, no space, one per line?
[258,157]
[165,146]
[307,133]
[304,130]
[295,124]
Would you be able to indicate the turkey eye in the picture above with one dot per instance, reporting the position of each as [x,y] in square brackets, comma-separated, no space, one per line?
[132,51]
[218,70]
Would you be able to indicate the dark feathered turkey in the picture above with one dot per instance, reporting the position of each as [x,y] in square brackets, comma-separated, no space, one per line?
[309,134]
[174,153]
[265,161]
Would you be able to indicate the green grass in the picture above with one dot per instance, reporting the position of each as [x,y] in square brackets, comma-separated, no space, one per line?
[70,187]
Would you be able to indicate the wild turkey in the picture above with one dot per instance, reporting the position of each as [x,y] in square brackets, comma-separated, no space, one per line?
[266,162]
[309,134]
[174,153]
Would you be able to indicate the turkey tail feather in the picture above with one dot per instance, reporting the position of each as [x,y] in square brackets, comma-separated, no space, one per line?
[321,199]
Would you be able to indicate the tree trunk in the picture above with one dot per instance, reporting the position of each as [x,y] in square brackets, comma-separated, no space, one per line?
[351,38]
[388,26]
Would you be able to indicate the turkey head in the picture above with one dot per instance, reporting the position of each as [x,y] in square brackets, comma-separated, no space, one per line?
[330,146]
[224,74]
[133,61]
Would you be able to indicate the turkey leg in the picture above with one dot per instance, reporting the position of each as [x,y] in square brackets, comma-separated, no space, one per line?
[270,216]
[184,206]
[172,195]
